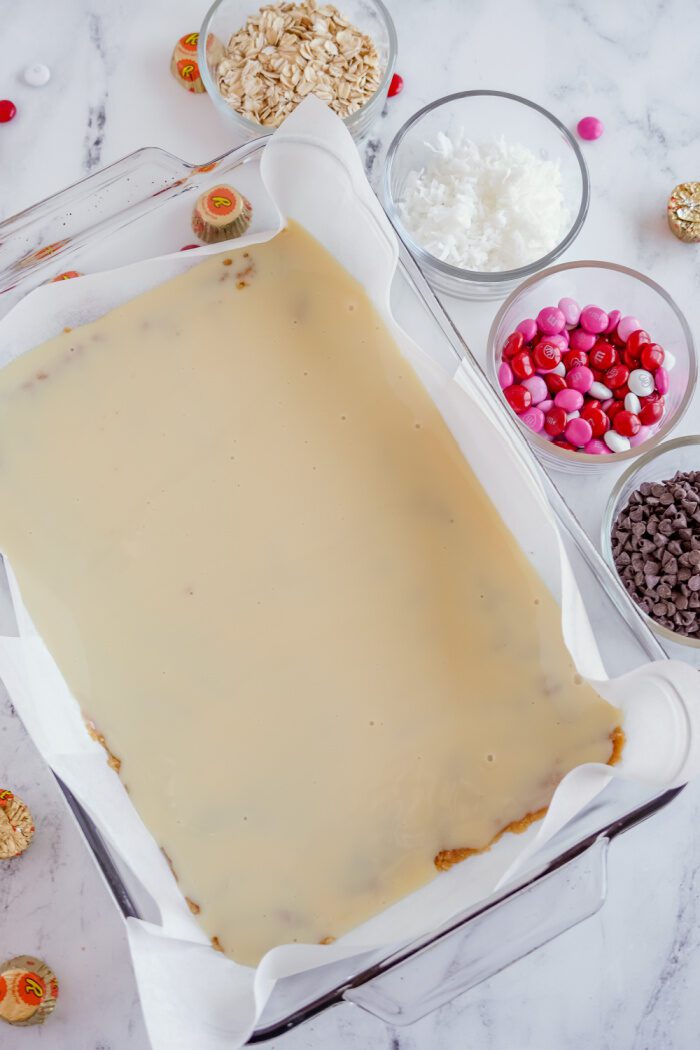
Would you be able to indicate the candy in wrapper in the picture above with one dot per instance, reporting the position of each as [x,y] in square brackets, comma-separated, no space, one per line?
[221,213]
[684,211]
[16,825]
[28,991]
[183,64]
[65,276]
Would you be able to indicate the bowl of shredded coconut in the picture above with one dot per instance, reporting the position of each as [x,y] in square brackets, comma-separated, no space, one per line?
[486,188]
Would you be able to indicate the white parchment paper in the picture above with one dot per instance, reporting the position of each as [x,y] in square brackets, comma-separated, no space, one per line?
[313,172]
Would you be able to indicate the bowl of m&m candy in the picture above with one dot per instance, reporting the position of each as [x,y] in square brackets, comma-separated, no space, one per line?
[595,361]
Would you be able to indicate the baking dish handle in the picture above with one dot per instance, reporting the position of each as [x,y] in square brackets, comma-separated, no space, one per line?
[502,933]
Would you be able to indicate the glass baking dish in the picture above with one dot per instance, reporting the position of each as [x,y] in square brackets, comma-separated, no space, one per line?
[140,207]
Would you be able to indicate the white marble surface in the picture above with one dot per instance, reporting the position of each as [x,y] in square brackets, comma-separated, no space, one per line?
[625,979]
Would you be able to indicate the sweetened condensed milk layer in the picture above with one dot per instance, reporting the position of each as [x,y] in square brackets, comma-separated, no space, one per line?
[270,578]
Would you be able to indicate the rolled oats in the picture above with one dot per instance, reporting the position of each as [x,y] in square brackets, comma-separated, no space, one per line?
[290,50]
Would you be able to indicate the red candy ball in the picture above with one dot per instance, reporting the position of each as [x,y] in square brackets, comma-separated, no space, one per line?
[547,356]
[651,412]
[522,365]
[636,341]
[603,356]
[513,345]
[7,110]
[554,383]
[596,418]
[563,443]
[614,409]
[555,421]
[627,424]
[518,397]
[396,85]
[575,359]
[621,392]
[616,376]
[651,356]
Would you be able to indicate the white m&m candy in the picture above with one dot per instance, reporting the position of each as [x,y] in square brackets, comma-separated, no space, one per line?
[641,382]
[616,442]
[36,75]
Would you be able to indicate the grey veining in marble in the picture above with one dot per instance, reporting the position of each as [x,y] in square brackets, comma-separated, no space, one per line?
[626,979]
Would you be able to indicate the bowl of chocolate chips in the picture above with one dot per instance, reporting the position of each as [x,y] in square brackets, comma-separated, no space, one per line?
[651,537]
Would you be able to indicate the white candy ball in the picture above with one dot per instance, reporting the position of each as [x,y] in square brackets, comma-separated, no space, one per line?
[37,75]
[669,360]
[560,370]
[600,391]
[641,382]
[633,404]
[616,442]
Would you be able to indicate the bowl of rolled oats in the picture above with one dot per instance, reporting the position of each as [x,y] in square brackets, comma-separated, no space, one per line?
[258,65]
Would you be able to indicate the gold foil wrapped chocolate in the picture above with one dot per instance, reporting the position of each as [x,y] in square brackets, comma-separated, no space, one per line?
[28,991]
[684,211]
[221,213]
[16,825]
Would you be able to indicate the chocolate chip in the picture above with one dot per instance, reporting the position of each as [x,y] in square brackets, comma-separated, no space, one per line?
[656,550]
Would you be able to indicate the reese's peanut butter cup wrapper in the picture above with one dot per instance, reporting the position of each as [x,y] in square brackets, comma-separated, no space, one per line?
[16,825]
[183,64]
[28,991]
[221,213]
[65,276]
[684,211]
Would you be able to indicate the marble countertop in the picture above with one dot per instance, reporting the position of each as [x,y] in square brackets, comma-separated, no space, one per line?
[626,978]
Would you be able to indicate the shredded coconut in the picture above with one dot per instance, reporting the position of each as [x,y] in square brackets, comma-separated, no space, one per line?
[488,207]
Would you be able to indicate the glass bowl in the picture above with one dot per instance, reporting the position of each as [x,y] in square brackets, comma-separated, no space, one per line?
[612,287]
[485,115]
[225,17]
[660,464]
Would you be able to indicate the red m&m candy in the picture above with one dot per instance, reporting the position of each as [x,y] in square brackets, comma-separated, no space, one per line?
[554,383]
[7,110]
[513,345]
[597,419]
[518,397]
[627,424]
[575,359]
[651,412]
[546,355]
[555,421]
[636,341]
[603,356]
[616,376]
[651,356]
[396,85]
[522,365]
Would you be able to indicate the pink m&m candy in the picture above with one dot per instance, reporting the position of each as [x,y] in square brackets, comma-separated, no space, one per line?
[661,379]
[578,431]
[590,128]
[580,379]
[505,375]
[613,321]
[596,447]
[580,340]
[571,311]
[626,326]
[640,437]
[550,320]
[593,319]
[537,387]
[544,406]
[561,339]
[533,418]
[527,328]
[569,400]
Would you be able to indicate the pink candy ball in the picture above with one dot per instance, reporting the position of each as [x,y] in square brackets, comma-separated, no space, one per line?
[505,375]
[580,379]
[593,319]
[596,447]
[537,387]
[544,406]
[662,381]
[561,339]
[590,128]
[571,311]
[578,431]
[533,418]
[569,400]
[528,328]
[640,437]
[613,321]
[626,326]
[580,340]
[550,320]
